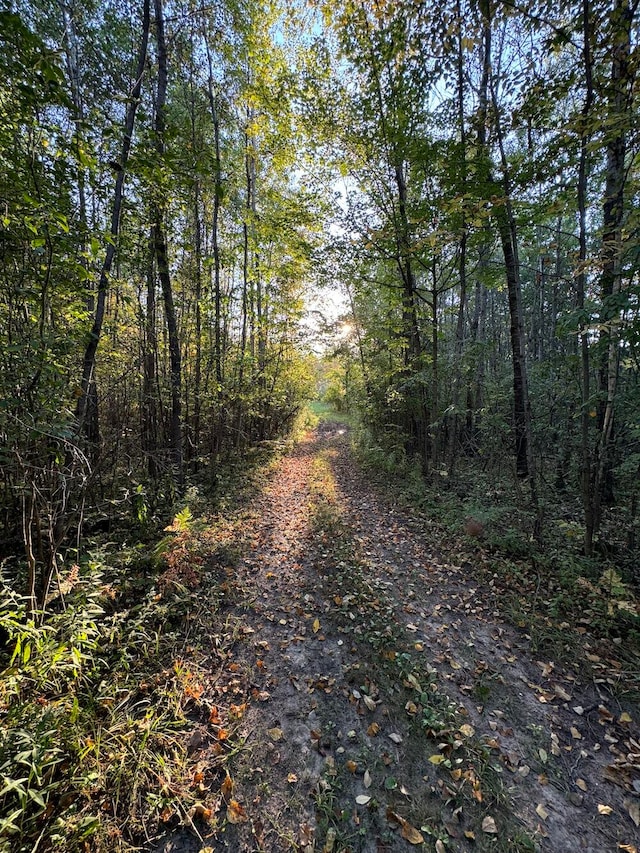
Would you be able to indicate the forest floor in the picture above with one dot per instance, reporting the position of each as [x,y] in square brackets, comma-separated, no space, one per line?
[374,696]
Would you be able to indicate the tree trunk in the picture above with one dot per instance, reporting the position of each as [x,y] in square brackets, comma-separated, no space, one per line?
[162,258]
[87,408]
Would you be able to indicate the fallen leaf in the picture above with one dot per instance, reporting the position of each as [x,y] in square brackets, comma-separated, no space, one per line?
[581,784]
[604,809]
[625,718]
[226,789]
[628,848]
[236,813]
[373,729]
[275,734]
[561,693]
[363,799]
[633,807]
[542,812]
[367,779]
[351,766]
[437,759]
[575,733]
[395,737]
[470,835]
[368,701]
[467,730]
[292,778]
[440,848]
[489,826]
[316,626]
[203,812]
[410,833]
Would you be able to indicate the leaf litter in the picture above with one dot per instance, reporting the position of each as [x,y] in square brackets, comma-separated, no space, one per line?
[471,720]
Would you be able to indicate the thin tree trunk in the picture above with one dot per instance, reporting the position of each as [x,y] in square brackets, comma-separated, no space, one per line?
[581,278]
[162,258]
[87,409]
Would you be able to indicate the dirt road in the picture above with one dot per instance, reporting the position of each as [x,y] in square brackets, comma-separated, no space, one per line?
[380,700]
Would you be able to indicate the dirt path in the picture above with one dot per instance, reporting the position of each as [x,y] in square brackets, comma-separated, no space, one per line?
[384,704]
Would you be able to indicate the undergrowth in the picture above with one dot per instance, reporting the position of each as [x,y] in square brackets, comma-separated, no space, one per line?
[98,693]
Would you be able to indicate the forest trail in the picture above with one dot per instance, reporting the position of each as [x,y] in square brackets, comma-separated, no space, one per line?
[382,701]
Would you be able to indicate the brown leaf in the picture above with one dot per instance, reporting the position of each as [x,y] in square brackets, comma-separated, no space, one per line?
[236,813]
[226,789]
[409,832]
[373,729]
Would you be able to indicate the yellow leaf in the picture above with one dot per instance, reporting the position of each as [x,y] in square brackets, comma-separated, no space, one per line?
[575,733]
[292,778]
[316,625]
[373,729]
[467,730]
[625,718]
[581,784]
[604,809]
[437,759]
[351,766]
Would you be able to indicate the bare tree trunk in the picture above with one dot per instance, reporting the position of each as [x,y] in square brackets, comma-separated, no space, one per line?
[162,259]
[87,408]
[581,279]
[619,103]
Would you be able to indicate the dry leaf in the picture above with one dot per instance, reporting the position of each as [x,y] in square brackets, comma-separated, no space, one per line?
[604,809]
[368,701]
[633,807]
[363,799]
[275,734]
[236,813]
[292,778]
[575,734]
[367,779]
[226,789]
[351,766]
[581,784]
[440,848]
[561,692]
[489,826]
[203,812]
[373,729]
[437,759]
[395,737]
[467,730]
[316,625]
[625,718]
[410,833]
[541,811]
